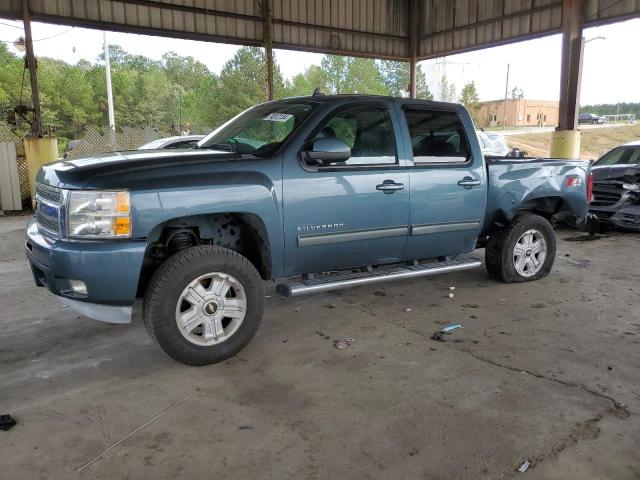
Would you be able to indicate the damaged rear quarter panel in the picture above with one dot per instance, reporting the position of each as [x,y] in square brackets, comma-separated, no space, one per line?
[516,184]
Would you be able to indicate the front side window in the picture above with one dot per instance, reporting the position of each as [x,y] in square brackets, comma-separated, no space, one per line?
[367,131]
[437,137]
[259,130]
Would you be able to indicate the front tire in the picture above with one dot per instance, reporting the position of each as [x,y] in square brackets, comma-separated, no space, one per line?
[204,304]
[523,251]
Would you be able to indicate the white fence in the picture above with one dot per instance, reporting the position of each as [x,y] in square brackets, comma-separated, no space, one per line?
[10,197]
[629,118]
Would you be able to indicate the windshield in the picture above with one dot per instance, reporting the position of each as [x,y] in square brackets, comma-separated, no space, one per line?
[620,156]
[498,141]
[259,130]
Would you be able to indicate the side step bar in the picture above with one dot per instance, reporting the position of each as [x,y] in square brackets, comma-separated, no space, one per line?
[381,274]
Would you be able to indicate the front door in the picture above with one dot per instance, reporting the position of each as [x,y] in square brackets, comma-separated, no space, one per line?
[448,185]
[351,213]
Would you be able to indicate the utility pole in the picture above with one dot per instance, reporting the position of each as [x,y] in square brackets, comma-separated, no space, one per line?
[107,67]
[36,125]
[506,92]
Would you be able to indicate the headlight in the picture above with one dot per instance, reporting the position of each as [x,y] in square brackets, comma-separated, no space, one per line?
[98,214]
[634,187]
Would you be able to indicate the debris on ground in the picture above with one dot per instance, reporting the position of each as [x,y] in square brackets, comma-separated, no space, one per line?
[451,289]
[439,335]
[326,337]
[523,468]
[569,260]
[6,422]
[451,295]
[407,309]
[449,328]
[470,305]
[342,344]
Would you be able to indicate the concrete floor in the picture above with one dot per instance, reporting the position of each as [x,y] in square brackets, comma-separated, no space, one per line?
[546,372]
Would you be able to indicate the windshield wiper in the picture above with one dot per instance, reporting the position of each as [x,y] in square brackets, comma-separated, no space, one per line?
[218,146]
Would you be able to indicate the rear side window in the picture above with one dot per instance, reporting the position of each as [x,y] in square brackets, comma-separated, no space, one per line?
[437,137]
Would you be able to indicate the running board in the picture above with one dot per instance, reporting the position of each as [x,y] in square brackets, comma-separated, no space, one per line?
[322,283]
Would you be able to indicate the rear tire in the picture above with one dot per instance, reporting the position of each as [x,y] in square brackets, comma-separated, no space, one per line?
[523,251]
[203,304]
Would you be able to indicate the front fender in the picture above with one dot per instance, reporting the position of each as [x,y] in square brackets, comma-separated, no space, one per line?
[246,193]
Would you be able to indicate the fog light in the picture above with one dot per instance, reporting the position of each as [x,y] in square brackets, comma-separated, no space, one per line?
[78,286]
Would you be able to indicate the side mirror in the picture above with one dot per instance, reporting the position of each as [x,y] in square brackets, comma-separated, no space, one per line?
[328,150]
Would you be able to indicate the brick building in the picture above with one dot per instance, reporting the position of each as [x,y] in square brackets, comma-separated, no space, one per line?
[520,112]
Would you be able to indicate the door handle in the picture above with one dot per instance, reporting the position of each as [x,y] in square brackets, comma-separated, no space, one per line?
[389,186]
[468,182]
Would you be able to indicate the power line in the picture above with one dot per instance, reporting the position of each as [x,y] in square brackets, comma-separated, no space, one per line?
[53,36]
[40,39]
[11,25]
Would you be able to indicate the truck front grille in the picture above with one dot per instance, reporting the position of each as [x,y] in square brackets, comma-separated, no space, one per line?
[48,205]
[50,194]
[605,196]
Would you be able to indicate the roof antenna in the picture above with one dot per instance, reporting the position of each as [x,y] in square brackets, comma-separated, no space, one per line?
[317,92]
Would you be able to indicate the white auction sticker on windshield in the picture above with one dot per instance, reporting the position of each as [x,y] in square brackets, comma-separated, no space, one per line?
[278,117]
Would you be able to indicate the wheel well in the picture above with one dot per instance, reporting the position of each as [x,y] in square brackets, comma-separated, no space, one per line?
[242,232]
[547,207]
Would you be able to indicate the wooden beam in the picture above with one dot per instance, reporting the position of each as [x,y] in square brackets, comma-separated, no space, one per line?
[268,45]
[36,124]
[571,64]
[413,47]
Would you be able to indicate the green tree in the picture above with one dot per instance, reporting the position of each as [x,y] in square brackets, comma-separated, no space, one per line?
[11,73]
[352,75]
[395,76]
[470,99]
[447,90]
[243,83]
[516,92]
[305,83]
[335,68]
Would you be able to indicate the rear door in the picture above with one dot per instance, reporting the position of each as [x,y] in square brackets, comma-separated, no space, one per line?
[448,184]
[353,213]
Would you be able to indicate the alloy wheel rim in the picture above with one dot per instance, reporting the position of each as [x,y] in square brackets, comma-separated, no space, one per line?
[529,253]
[211,309]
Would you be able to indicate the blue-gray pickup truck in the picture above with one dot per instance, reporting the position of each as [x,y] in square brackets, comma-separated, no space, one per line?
[319,192]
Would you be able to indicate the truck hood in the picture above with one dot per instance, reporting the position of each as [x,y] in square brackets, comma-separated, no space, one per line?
[78,172]
[604,173]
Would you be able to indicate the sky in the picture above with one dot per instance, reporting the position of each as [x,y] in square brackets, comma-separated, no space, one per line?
[610,73]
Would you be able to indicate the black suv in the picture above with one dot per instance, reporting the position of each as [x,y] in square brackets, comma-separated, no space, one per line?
[590,119]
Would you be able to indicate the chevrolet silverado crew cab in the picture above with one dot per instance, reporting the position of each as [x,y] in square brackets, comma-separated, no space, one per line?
[320,192]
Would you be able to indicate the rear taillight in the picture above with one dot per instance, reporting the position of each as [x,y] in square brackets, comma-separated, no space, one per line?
[589,187]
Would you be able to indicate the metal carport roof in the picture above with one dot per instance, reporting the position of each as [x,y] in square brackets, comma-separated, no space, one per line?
[372,28]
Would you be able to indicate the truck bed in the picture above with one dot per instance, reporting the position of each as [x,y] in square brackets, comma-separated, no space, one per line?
[517,184]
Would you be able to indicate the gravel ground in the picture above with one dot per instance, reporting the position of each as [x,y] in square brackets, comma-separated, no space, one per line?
[545,372]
